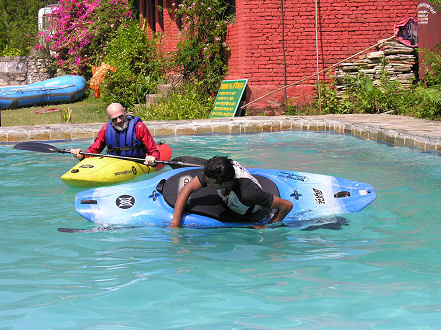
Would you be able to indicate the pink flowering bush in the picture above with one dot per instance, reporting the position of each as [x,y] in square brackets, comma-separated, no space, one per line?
[80,31]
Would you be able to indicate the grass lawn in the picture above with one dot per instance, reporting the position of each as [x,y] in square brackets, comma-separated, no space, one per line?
[87,110]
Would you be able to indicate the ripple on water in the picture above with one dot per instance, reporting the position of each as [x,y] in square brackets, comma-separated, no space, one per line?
[379,269]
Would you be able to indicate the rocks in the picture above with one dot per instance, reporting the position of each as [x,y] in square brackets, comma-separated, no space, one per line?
[22,70]
[174,83]
[40,66]
[394,58]
[13,70]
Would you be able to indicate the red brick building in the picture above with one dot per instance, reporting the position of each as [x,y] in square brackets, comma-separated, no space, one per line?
[278,42]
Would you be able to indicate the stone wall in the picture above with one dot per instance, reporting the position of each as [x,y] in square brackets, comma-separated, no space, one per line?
[40,66]
[22,70]
[398,60]
[13,70]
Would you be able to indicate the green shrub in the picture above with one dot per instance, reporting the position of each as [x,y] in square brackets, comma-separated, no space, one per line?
[429,105]
[361,95]
[9,51]
[139,67]
[329,100]
[190,103]
[369,98]
[432,61]
[202,52]
[18,26]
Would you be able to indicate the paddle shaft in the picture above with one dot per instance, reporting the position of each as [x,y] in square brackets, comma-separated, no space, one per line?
[44,147]
[140,160]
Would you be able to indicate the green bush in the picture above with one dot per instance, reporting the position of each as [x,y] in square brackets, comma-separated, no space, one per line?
[190,103]
[18,26]
[387,96]
[432,60]
[9,51]
[363,96]
[329,101]
[139,66]
[429,105]
[202,52]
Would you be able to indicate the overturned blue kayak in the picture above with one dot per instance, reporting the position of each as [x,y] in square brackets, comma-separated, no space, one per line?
[64,89]
[151,202]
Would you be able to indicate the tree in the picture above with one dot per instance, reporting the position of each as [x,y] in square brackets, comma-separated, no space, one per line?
[18,26]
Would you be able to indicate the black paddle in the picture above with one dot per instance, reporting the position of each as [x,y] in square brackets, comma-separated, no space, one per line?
[93,230]
[174,163]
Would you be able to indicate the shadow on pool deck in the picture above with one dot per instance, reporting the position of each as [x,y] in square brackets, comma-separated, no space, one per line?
[399,131]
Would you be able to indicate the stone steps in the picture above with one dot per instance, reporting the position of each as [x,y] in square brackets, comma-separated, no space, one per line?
[174,82]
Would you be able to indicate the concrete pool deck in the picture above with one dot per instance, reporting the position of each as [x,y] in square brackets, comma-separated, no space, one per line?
[400,131]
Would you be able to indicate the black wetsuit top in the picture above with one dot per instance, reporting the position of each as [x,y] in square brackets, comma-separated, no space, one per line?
[247,195]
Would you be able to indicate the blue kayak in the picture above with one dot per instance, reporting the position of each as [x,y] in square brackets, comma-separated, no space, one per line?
[150,202]
[64,89]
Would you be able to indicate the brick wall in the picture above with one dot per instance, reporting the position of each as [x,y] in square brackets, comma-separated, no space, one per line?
[344,28]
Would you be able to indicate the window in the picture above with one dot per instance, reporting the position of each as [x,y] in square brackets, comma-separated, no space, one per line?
[179,21]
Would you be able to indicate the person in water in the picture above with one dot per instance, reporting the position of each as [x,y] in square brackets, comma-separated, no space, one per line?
[124,136]
[238,189]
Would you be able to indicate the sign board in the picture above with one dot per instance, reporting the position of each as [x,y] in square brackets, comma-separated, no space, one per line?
[228,98]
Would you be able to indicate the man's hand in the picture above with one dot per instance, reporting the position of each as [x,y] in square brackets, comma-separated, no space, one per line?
[149,160]
[181,201]
[77,153]
[173,224]
[283,207]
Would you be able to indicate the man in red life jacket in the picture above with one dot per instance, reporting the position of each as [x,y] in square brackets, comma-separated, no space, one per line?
[124,136]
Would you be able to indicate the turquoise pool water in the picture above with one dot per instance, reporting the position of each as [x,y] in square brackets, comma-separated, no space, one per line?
[381,270]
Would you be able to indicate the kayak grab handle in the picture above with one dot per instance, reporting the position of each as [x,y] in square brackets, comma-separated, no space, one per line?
[89,201]
[295,194]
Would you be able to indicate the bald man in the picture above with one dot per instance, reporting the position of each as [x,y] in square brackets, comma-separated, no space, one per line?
[124,136]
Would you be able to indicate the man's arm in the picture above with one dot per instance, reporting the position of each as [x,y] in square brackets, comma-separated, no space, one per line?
[143,135]
[182,199]
[283,207]
[97,146]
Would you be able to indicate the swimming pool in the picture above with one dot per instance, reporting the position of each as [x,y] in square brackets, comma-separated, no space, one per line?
[381,270]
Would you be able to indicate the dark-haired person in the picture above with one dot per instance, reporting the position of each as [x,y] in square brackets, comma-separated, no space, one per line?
[239,190]
[124,136]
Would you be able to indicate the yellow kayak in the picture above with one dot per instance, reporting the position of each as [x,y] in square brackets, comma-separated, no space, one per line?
[103,171]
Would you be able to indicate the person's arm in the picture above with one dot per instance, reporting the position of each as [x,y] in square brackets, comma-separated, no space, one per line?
[97,146]
[143,135]
[182,199]
[283,207]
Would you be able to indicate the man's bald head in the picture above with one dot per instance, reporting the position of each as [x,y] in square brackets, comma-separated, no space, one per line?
[115,109]
[117,114]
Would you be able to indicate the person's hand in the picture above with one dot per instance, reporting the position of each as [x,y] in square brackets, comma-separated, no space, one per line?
[149,160]
[77,153]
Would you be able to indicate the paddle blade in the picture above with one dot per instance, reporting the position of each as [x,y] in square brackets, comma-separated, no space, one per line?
[187,161]
[36,146]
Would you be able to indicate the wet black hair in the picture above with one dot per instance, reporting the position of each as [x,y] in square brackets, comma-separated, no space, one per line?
[220,169]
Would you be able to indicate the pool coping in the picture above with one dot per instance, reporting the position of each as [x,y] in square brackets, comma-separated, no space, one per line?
[400,131]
